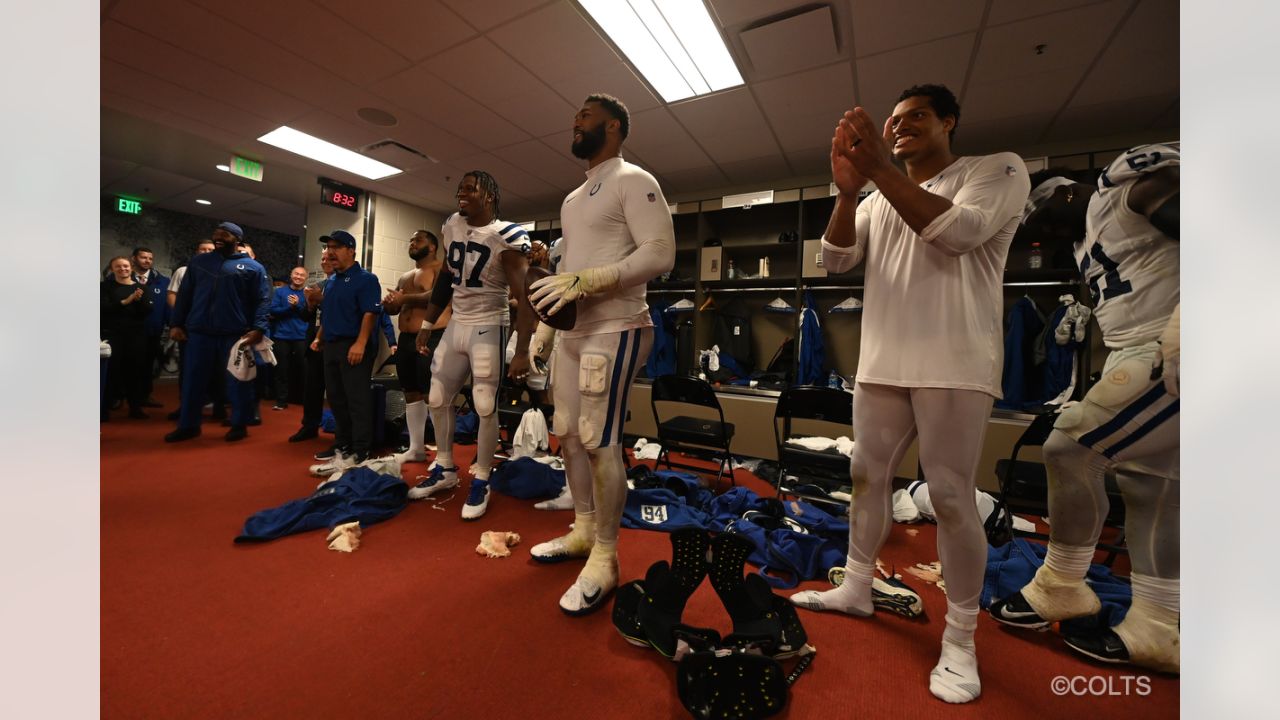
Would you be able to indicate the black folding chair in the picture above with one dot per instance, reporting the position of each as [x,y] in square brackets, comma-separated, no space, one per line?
[692,435]
[812,474]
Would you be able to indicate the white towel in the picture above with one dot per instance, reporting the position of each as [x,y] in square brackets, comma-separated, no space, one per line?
[531,435]
[842,444]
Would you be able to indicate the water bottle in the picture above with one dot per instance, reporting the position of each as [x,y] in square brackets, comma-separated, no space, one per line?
[1036,261]
[731,271]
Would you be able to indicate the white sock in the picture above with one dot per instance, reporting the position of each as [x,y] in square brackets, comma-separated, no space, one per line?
[852,597]
[1150,630]
[1058,590]
[955,678]
[445,460]
[480,473]
[415,416]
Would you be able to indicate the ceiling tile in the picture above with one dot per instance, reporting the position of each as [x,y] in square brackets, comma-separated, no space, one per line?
[881,25]
[729,124]
[664,144]
[485,15]
[576,43]
[511,180]
[816,161]
[151,185]
[803,109]
[764,171]
[147,54]
[1002,135]
[735,12]
[693,180]
[1072,39]
[796,43]
[435,100]
[1137,63]
[615,79]
[314,33]
[509,90]
[415,29]
[337,130]
[1113,118]
[1023,95]
[535,158]
[883,77]
[128,82]
[222,197]
[111,169]
[1003,11]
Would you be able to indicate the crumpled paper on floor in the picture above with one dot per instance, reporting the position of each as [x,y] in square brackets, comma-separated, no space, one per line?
[930,573]
[494,543]
[345,537]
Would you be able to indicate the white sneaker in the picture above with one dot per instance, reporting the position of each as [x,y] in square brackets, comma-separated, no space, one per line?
[558,550]
[563,501]
[584,597]
[439,480]
[409,456]
[339,462]
[477,500]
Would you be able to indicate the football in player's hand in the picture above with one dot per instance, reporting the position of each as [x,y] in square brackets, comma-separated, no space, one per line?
[562,320]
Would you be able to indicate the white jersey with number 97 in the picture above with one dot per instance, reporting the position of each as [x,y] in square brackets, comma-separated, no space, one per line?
[1131,267]
[473,256]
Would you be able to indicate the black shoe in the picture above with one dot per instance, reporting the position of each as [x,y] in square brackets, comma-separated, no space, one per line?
[175,414]
[182,434]
[1104,645]
[255,422]
[280,406]
[137,414]
[1016,611]
[151,402]
[326,454]
[219,413]
[226,421]
[305,433]
[237,432]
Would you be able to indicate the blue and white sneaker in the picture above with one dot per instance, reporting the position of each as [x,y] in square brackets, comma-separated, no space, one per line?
[439,480]
[477,500]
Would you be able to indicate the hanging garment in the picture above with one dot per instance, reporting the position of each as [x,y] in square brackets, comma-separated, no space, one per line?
[813,353]
[1025,324]
[662,358]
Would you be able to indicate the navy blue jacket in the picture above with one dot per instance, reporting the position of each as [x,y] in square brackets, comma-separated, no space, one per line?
[222,296]
[158,290]
[389,330]
[360,494]
[290,321]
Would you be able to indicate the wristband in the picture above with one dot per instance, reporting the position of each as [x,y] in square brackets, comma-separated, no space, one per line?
[426,326]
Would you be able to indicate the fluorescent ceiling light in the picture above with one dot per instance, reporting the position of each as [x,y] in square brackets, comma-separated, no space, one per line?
[308,146]
[223,168]
[203,202]
[673,43]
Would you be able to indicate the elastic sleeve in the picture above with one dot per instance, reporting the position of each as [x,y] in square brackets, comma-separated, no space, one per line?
[994,192]
[649,222]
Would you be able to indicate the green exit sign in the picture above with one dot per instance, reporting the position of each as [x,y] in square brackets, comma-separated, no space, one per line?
[131,207]
[246,168]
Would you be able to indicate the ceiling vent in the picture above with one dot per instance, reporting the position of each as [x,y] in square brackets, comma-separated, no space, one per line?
[397,154]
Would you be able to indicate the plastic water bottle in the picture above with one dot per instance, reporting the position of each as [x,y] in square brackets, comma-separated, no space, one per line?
[1036,261]
[731,271]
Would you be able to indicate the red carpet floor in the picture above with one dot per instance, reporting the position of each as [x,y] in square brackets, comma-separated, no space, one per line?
[416,625]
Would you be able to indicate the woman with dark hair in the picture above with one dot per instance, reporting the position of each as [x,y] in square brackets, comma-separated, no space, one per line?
[124,312]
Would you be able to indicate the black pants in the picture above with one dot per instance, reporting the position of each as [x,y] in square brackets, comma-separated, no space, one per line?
[126,373]
[151,353]
[290,358]
[349,394]
[312,388]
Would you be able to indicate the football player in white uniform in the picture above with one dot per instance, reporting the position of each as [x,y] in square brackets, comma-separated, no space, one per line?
[618,235]
[933,241]
[485,259]
[1128,421]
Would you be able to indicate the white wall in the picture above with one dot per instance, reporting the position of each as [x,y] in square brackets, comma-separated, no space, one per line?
[323,219]
[393,223]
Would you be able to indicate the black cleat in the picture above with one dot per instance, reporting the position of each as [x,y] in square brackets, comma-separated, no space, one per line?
[326,454]
[1104,645]
[237,432]
[1016,611]
[182,434]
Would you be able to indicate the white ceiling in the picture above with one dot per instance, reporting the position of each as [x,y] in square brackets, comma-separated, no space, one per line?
[494,85]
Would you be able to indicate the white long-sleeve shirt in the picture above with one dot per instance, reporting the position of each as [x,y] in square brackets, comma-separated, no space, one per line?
[933,304]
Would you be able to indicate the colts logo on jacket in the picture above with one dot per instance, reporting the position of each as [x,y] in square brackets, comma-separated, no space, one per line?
[653,514]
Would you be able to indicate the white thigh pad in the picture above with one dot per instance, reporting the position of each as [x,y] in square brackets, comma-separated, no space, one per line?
[1125,377]
[484,363]
[593,387]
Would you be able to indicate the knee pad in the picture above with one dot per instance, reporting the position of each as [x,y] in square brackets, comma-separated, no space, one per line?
[1124,380]
[435,397]
[593,388]
[484,397]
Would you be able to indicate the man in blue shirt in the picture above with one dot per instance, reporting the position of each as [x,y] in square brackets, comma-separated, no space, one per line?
[288,312]
[348,313]
[222,300]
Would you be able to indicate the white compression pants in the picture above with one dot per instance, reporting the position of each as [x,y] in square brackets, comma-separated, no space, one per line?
[590,386]
[474,350]
[951,425]
[1127,422]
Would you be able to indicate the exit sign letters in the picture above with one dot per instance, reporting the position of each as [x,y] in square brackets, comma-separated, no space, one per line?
[129,207]
[246,168]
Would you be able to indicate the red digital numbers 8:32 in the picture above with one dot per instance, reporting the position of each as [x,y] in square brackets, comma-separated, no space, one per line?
[338,198]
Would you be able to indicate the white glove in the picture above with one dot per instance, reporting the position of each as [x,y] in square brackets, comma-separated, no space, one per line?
[541,343]
[1167,364]
[554,292]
